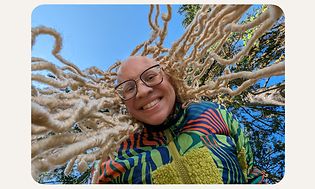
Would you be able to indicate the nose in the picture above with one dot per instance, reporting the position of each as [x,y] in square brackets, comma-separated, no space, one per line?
[143,90]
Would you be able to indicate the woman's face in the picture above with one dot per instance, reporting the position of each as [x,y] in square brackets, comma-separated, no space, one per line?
[151,105]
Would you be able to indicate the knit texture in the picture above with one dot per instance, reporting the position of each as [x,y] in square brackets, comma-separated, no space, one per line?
[203,171]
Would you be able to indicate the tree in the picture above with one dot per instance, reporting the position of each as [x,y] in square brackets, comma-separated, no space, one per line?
[58,176]
[260,108]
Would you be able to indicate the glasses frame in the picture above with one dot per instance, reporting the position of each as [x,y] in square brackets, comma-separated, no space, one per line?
[136,80]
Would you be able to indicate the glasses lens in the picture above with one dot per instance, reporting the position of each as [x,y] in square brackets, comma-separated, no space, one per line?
[152,76]
[127,89]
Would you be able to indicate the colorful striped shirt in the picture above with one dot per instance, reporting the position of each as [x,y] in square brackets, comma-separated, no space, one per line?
[201,144]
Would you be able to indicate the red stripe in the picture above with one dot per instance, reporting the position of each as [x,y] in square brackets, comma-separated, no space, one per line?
[156,138]
[223,123]
[102,178]
[111,172]
[197,129]
[132,142]
[192,121]
[212,116]
[212,142]
[206,118]
[138,142]
[199,119]
[149,142]
[219,121]
[215,123]
[207,143]
[118,166]
[208,126]
[125,145]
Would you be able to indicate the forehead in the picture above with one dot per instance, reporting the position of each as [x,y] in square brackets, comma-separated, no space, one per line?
[133,67]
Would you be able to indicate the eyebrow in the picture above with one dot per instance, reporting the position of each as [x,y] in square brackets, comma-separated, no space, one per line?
[133,78]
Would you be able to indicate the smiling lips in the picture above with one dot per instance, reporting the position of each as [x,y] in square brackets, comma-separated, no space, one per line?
[151,104]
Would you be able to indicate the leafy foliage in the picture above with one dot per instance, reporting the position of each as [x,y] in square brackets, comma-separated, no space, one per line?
[264,124]
[58,177]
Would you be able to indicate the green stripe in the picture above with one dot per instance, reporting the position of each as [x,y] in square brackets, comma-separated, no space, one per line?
[156,157]
[132,170]
[185,141]
[144,165]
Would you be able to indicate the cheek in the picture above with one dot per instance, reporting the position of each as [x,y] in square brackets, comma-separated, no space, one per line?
[169,90]
[130,107]
[133,111]
[171,98]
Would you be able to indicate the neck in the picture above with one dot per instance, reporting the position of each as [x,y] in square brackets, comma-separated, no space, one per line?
[170,120]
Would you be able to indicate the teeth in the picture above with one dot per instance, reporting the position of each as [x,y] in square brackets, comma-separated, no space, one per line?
[151,104]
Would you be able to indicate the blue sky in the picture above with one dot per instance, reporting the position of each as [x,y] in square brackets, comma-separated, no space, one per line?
[98,35]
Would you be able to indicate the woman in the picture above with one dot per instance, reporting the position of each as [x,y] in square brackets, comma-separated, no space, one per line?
[201,143]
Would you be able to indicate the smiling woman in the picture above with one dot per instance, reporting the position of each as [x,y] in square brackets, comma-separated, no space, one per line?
[154,96]
[198,144]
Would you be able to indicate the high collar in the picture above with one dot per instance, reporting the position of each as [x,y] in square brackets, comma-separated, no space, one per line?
[171,121]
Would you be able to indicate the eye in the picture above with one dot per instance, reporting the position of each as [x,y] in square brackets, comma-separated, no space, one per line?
[150,77]
[129,89]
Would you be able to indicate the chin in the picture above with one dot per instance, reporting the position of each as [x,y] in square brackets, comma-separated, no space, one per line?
[154,117]
[156,123]
[153,122]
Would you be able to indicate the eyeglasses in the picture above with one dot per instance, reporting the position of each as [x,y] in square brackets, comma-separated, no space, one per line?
[150,77]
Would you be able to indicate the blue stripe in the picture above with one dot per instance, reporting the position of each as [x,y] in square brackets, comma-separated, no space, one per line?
[224,164]
[229,161]
[236,173]
[165,156]
[137,173]
[150,161]
[147,173]
[126,175]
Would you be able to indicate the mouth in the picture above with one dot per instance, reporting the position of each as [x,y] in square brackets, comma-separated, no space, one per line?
[151,104]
